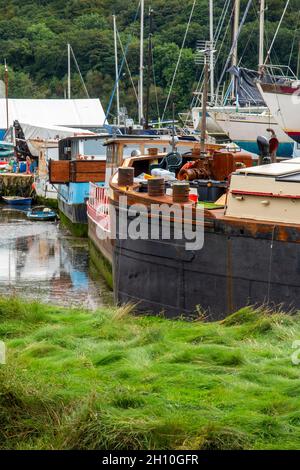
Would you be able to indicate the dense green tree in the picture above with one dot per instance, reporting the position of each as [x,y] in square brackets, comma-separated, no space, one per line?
[34,36]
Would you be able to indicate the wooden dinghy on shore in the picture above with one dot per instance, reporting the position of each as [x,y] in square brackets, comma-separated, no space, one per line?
[250,254]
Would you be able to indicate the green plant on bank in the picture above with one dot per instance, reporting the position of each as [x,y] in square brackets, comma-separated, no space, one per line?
[102,264]
[77,379]
[42,201]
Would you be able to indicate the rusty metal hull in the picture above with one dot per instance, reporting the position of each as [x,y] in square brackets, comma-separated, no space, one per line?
[236,267]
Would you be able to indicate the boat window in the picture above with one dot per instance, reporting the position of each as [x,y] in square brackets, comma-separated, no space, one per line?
[128,149]
[161,148]
[64,149]
[110,153]
[183,149]
[75,148]
[94,148]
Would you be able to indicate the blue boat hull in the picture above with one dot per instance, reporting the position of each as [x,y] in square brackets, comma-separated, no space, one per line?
[17,202]
[284,150]
[41,217]
[72,200]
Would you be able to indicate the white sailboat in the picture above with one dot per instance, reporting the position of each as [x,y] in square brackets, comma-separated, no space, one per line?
[282,92]
[284,102]
[243,125]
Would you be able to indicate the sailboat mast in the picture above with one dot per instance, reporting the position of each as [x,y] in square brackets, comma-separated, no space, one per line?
[204,108]
[298,62]
[149,69]
[237,7]
[6,93]
[117,70]
[141,82]
[261,34]
[211,29]
[69,71]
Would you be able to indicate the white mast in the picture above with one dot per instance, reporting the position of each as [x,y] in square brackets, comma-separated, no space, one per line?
[69,71]
[6,93]
[117,71]
[298,62]
[141,82]
[237,7]
[261,34]
[235,31]
[211,39]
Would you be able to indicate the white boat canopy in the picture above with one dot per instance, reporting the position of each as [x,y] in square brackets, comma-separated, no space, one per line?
[37,135]
[84,113]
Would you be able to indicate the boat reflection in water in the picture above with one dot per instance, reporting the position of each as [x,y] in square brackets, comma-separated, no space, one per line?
[38,261]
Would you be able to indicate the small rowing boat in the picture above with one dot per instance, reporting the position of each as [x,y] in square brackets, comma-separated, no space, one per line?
[42,213]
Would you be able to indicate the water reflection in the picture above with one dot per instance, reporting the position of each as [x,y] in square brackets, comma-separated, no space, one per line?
[38,260]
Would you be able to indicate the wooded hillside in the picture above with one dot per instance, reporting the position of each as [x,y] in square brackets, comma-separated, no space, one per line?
[34,36]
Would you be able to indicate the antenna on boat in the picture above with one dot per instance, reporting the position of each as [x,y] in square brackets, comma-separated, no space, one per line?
[69,71]
[203,56]
[117,71]
[141,81]
[211,38]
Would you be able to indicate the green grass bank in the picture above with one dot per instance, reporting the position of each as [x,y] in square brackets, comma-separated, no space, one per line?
[76,379]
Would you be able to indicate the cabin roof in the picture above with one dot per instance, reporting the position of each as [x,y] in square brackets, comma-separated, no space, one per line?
[292,160]
[86,137]
[274,169]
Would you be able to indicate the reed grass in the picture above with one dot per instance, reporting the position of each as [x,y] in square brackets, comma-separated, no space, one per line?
[76,379]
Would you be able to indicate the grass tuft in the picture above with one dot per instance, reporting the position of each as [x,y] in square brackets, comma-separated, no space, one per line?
[76,379]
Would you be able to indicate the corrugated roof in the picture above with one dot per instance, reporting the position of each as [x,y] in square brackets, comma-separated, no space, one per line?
[61,112]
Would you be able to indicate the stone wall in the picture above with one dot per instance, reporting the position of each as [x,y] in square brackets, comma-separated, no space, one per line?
[12,184]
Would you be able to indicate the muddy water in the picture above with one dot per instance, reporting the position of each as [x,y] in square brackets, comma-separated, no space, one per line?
[40,260]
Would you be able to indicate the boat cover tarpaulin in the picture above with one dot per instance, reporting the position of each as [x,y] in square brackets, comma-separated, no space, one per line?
[86,113]
[247,91]
[36,135]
